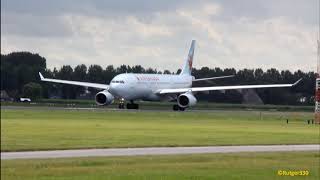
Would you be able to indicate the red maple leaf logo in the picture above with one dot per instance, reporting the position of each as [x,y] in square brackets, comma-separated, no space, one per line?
[190,63]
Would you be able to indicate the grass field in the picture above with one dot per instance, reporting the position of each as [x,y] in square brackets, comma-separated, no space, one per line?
[71,129]
[262,166]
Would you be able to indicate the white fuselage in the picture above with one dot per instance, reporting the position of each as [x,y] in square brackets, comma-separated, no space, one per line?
[146,86]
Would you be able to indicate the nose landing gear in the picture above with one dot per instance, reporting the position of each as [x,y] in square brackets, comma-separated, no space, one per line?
[121,104]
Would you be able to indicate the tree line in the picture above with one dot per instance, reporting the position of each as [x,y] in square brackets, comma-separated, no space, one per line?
[19,77]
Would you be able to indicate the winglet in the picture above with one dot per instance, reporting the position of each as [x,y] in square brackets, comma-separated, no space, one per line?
[297,82]
[41,77]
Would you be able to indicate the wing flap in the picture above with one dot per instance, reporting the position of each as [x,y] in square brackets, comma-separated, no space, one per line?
[216,88]
[77,83]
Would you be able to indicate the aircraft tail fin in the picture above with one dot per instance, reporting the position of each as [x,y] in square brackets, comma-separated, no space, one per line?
[187,68]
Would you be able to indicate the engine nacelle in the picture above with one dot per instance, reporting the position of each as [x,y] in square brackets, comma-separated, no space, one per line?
[187,100]
[104,98]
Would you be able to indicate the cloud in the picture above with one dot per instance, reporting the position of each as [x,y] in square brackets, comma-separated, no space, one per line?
[28,25]
[158,34]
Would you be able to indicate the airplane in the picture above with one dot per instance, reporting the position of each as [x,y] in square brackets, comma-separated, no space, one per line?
[157,87]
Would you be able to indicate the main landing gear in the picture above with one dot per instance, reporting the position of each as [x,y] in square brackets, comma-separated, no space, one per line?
[130,105]
[177,108]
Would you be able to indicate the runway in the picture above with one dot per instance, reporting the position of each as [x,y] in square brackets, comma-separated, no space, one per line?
[154,151]
[97,109]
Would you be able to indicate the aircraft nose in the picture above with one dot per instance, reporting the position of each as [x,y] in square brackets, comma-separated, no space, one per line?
[114,88]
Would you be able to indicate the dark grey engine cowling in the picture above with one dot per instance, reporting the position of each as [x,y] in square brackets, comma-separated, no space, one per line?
[186,100]
[104,98]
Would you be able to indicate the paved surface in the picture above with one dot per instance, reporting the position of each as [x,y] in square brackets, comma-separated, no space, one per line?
[148,109]
[155,151]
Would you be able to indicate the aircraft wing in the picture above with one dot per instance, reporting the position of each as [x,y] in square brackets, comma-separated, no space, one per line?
[219,77]
[215,88]
[77,83]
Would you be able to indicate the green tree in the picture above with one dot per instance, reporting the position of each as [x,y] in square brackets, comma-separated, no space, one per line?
[80,74]
[95,74]
[32,90]
[166,72]
[67,91]
[122,69]
[109,73]
[20,68]
[138,69]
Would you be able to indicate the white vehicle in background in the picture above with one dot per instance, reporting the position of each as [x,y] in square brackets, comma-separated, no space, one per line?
[157,87]
[25,99]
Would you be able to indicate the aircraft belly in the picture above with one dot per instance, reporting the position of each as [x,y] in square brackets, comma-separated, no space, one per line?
[138,92]
[147,92]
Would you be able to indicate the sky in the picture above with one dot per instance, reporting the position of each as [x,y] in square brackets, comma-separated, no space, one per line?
[237,34]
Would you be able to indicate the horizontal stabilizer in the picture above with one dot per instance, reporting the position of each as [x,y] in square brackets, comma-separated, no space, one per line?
[212,78]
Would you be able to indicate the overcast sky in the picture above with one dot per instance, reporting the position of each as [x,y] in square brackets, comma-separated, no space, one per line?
[157,34]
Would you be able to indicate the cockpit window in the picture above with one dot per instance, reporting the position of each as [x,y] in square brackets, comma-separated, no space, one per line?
[121,82]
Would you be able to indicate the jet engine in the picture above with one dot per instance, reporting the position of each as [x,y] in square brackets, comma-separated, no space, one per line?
[104,98]
[186,100]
